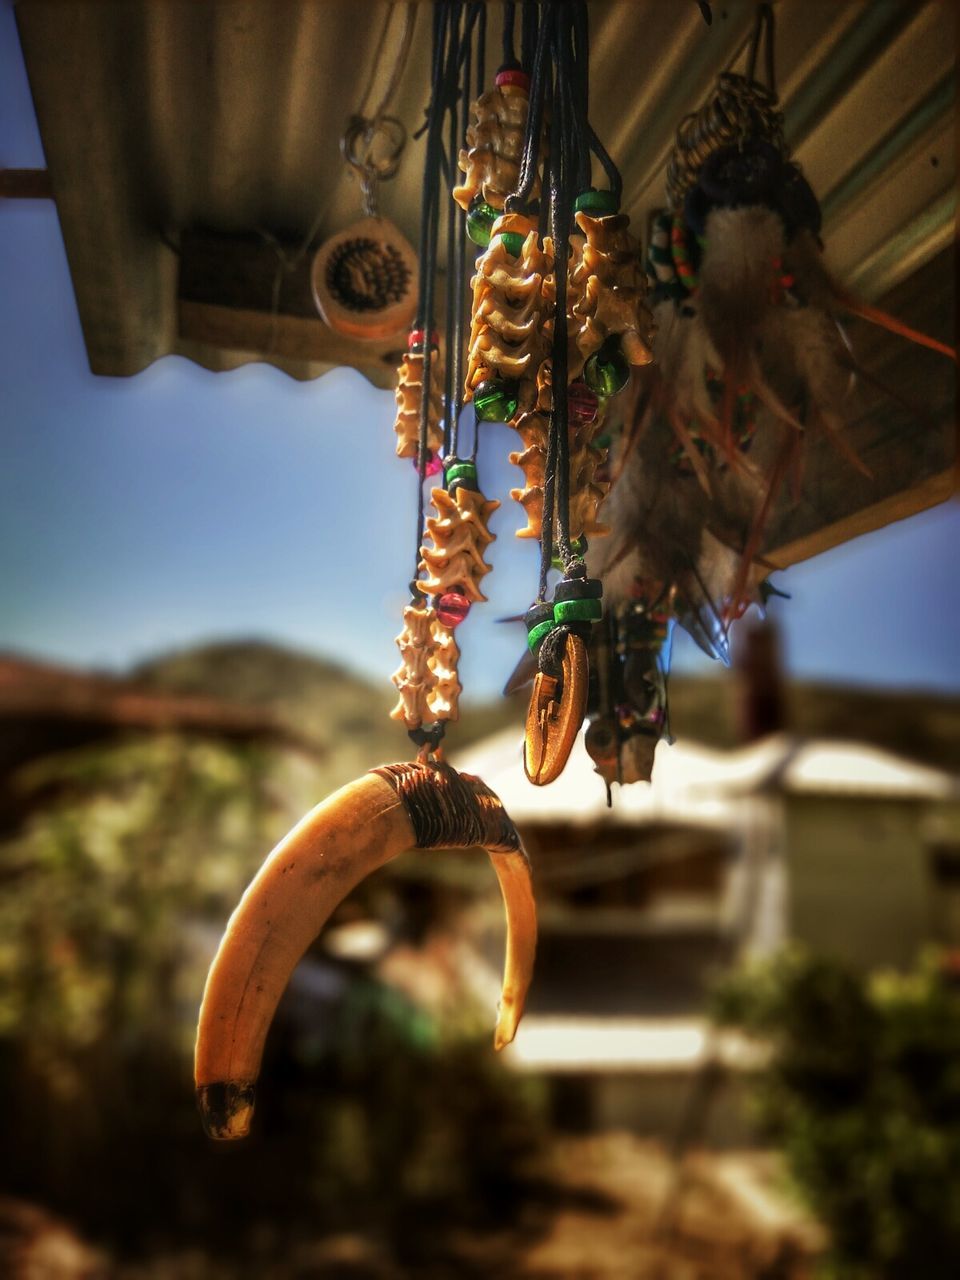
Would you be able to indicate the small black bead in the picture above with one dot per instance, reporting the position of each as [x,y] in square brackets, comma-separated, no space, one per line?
[578,589]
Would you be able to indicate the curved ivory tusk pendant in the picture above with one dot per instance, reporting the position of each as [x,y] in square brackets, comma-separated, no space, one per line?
[351,834]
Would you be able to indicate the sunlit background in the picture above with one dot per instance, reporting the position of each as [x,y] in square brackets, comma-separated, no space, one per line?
[193,528]
[138,515]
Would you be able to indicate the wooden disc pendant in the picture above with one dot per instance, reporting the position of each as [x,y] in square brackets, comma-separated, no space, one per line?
[365,280]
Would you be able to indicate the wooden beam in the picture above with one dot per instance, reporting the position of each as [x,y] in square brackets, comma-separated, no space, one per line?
[25,184]
[900,420]
[289,337]
[898,506]
[246,293]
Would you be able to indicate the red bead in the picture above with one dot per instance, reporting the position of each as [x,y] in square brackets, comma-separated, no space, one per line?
[513,75]
[416,336]
[433,466]
[583,404]
[452,608]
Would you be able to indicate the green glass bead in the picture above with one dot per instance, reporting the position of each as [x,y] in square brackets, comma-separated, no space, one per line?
[607,370]
[513,242]
[496,400]
[577,610]
[536,635]
[465,472]
[480,219]
[599,204]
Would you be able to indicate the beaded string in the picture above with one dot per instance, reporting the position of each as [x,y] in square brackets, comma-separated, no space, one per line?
[456,263]
[528,33]
[568,135]
[520,198]
[453,25]
[448,166]
[430,205]
[448,55]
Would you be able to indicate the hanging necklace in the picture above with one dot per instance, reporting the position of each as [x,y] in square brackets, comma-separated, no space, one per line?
[424,804]
[556,321]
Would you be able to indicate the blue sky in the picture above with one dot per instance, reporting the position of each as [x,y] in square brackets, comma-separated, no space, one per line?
[148,513]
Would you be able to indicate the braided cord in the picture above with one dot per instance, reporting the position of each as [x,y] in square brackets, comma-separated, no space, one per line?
[569,158]
[446,18]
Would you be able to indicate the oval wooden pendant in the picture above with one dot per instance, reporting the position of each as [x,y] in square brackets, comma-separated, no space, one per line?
[365,280]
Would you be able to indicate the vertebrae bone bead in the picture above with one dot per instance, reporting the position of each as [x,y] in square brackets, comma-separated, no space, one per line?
[586,492]
[414,678]
[512,315]
[459,534]
[491,163]
[445,698]
[608,288]
[409,397]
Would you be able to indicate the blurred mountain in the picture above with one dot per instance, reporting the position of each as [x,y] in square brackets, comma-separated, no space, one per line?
[320,701]
[325,704]
[257,691]
[44,706]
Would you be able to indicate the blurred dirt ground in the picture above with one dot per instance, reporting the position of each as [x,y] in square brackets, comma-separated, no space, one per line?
[608,1208]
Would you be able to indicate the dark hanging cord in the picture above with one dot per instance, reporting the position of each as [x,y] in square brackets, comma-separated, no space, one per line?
[517,202]
[466,41]
[453,224]
[576,80]
[459,256]
[430,206]
[564,174]
[551,462]
[763,28]
[509,49]
[482,49]
[613,175]
[543,219]
[426,192]
[561,201]
[591,143]
[528,33]
[578,141]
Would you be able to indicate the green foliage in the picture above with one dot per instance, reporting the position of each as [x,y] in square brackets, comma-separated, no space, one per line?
[863,1089]
[135,841]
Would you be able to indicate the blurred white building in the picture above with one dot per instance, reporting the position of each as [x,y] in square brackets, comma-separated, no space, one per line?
[845,848]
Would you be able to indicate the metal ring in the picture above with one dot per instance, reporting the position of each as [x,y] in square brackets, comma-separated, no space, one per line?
[358,145]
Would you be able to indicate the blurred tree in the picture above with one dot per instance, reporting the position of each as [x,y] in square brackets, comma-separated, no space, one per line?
[863,1089]
[114,891]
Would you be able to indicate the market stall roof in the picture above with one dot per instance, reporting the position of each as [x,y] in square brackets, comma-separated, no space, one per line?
[172,128]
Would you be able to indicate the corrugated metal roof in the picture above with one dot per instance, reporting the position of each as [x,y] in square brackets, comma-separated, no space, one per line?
[163,115]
